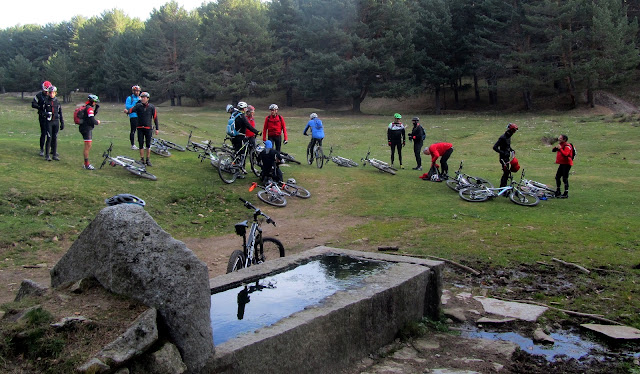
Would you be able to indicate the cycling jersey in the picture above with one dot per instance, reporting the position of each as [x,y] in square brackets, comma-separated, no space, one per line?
[317,130]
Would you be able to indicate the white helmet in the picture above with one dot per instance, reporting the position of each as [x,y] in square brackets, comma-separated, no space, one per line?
[242,105]
[229,108]
[313,115]
[291,181]
[273,106]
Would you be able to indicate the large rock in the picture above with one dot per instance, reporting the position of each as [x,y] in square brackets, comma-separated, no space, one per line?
[30,288]
[129,254]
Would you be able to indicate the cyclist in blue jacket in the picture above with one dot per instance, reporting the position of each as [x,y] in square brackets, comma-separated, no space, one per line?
[317,134]
[133,116]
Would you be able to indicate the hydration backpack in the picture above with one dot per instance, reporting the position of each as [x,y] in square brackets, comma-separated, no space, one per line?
[573,151]
[78,115]
[231,124]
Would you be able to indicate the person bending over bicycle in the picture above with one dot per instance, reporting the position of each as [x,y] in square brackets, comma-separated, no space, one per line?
[317,134]
[270,163]
[442,150]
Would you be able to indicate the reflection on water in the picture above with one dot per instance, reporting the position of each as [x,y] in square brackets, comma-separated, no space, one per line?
[249,307]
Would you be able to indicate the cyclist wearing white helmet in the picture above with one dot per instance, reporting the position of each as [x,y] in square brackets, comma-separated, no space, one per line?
[133,117]
[274,128]
[242,125]
[147,117]
[86,128]
[396,137]
[55,122]
[317,134]
[38,103]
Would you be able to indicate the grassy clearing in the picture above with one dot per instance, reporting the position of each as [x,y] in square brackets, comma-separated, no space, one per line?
[43,203]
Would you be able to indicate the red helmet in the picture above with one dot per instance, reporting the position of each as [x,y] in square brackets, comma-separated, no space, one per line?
[135,88]
[513,127]
[46,85]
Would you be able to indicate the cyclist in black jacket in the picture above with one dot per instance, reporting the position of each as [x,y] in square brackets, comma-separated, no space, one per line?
[417,136]
[38,103]
[54,122]
[396,137]
[147,117]
[503,147]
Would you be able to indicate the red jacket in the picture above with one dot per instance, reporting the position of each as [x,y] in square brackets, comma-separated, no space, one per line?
[563,155]
[438,149]
[249,133]
[274,126]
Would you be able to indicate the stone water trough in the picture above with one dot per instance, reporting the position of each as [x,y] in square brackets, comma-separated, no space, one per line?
[129,254]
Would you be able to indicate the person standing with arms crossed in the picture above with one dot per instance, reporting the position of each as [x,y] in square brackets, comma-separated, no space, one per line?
[317,134]
[86,127]
[564,159]
[396,137]
[132,100]
[274,128]
[417,136]
[38,103]
[147,117]
[55,122]
[503,147]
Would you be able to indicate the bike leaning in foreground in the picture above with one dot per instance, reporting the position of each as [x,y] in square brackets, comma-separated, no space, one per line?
[131,165]
[256,249]
[513,191]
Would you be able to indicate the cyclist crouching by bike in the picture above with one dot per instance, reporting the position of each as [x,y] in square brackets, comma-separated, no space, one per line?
[317,134]
[147,116]
[270,161]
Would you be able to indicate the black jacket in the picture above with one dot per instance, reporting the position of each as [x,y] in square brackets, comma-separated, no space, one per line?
[53,106]
[242,124]
[503,146]
[418,133]
[38,102]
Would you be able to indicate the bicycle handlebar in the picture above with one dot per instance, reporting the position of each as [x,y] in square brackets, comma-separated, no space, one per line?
[257,211]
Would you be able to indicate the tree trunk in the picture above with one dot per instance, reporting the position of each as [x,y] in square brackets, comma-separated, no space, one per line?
[492,82]
[437,100]
[591,98]
[456,90]
[475,87]
[356,104]
[526,95]
[290,96]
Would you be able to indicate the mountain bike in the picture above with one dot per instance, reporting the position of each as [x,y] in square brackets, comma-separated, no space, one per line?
[256,249]
[462,180]
[159,148]
[171,145]
[231,164]
[340,161]
[196,147]
[317,153]
[131,165]
[288,157]
[276,193]
[541,190]
[378,164]
[513,191]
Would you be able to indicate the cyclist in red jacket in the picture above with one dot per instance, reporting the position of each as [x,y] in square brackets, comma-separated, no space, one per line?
[442,150]
[274,128]
[564,159]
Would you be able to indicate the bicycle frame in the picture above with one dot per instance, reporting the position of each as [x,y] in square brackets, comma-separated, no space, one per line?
[255,234]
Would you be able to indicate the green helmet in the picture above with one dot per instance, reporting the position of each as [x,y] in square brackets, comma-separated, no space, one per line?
[397,115]
[94,98]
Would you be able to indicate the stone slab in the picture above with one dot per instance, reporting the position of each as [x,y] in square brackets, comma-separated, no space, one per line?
[525,312]
[615,332]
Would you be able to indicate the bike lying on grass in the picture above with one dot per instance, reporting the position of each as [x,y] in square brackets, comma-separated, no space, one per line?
[513,191]
[129,164]
[462,180]
[378,164]
[197,147]
[276,193]
[288,157]
[256,249]
[159,148]
[340,161]
[541,190]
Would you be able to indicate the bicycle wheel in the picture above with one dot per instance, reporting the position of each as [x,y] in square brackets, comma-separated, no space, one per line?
[340,162]
[520,198]
[297,191]
[383,168]
[256,164]
[236,261]
[453,184]
[319,154]
[272,198]
[269,249]
[173,145]
[140,172]
[349,162]
[226,170]
[161,151]
[473,195]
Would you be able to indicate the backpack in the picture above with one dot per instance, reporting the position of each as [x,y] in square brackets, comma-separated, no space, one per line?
[231,125]
[78,115]
[573,151]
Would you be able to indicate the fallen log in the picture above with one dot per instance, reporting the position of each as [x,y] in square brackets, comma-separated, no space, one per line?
[571,264]
[463,267]
[389,248]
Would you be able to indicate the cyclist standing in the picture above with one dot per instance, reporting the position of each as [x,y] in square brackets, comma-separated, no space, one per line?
[133,117]
[270,159]
[274,127]
[396,137]
[54,122]
[442,150]
[38,103]
[242,125]
[564,159]
[147,117]
[251,136]
[503,147]
[317,134]
[417,136]
[87,125]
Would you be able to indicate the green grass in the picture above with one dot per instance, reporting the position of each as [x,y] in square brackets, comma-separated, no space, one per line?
[43,203]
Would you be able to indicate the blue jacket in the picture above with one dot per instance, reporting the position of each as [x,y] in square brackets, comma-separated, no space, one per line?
[130,103]
[317,131]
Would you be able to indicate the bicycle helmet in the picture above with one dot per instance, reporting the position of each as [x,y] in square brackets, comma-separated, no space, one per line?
[46,85]
[53,88]
[415,119]
[397,115]
[251,109]
[242,105]
[291,181]
[268,144]
[513,127]
[229,108]
[135,88]
[124,198]
[273,106]
[313,115]
[145,94]
[94,98]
